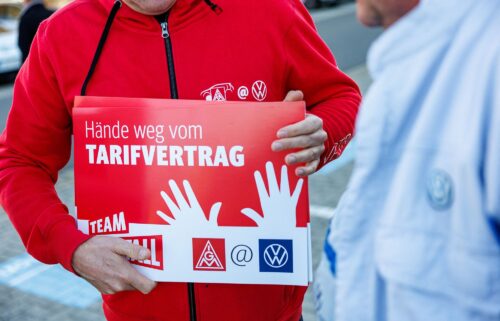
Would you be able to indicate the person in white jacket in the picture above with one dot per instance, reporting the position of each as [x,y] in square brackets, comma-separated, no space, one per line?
[416,236]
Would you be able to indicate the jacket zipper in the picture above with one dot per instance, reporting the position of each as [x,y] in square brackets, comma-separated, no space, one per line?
[175,95]
[170,57]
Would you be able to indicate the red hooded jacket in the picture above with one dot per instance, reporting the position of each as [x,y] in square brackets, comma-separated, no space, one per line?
[269,45]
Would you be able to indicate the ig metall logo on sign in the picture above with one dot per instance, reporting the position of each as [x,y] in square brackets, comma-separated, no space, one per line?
[276,256]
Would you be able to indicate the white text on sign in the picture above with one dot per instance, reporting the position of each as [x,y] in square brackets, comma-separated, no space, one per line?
[154,244]
[99,130]
[161,155]
[108,225]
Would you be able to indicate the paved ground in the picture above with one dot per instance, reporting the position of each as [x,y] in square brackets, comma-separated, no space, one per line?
[346,37]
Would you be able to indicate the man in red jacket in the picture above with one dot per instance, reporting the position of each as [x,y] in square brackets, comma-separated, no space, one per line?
[164,49]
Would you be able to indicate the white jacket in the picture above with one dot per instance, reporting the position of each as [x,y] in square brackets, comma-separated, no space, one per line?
[417,233]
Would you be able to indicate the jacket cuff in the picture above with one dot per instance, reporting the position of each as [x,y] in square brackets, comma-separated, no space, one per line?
[334,149]
[64,238]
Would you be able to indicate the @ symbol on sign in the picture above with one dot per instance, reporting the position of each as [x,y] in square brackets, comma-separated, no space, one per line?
[241,254]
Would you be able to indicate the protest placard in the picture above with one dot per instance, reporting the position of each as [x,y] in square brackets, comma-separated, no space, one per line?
[197,183]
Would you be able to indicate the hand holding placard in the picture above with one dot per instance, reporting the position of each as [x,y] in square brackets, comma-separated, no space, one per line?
[307,134]
[103,262]
[184,213]
[279,205]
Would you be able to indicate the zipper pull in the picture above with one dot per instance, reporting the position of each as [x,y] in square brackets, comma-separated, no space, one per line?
[164,30]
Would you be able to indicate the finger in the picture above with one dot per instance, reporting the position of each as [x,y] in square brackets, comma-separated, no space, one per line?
[302,141]
[179,198]
[284,186]
[294,95]
[170,204]
[139,281]
[306,155]
[304,127]
[214,213]
[130,250]
[253,215]
[296,192]
[193,202]
[309,169]
[272,182]
[261,187]
[165,217]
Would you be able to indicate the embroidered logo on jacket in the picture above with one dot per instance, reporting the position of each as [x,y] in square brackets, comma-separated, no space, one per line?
[217,92]
[259,90]
[243,93]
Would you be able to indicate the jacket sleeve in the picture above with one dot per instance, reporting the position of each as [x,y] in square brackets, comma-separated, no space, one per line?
[34,146]
[329,93]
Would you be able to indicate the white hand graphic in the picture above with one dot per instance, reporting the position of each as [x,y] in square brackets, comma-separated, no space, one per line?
[187,213]
[279,205]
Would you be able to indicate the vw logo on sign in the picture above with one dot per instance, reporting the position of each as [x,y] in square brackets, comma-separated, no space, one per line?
[275,256]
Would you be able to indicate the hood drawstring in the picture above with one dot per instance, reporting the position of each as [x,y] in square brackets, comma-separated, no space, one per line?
[116,6]
[215,7]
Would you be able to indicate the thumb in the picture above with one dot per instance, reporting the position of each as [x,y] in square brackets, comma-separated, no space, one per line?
[130,250]
[294,95]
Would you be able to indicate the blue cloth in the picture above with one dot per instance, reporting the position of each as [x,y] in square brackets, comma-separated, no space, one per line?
[330,254]
[416,232]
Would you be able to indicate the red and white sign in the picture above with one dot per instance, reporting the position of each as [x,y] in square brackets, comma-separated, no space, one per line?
[195,180]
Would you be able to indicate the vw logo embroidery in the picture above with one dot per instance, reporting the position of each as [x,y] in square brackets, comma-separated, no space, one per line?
[439,189]
[259,90]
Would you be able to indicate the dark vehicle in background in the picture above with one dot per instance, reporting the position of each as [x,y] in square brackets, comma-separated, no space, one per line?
[313,4]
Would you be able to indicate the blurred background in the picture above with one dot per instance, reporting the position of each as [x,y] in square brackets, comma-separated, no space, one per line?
[30,290]
[10,56]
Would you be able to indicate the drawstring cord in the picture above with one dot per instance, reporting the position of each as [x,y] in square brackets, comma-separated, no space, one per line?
[215,7]
[116,6]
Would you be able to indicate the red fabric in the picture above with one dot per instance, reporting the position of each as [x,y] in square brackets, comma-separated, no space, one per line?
[271,41]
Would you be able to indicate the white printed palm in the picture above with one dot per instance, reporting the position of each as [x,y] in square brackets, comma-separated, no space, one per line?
[187,213]
[279,204]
